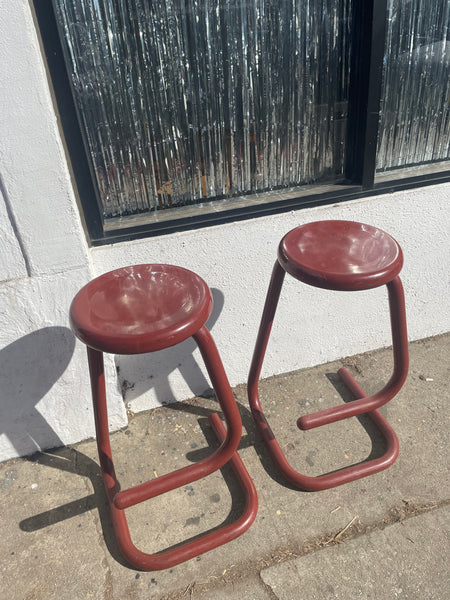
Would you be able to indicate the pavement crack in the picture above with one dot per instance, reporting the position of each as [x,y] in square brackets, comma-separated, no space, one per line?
[108,583]
[355,528]
[268,589]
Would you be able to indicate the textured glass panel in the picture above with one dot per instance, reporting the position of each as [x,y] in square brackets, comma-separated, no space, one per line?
[415,110]
[186,101]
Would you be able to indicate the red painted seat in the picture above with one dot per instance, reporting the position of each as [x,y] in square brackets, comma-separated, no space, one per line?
[340,255]
[141,309]
[344,256]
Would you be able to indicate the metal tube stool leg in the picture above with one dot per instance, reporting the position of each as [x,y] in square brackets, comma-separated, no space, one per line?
[345,256]
[142,309]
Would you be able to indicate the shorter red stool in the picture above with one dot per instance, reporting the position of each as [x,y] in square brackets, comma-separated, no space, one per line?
[141,309]
[345,256]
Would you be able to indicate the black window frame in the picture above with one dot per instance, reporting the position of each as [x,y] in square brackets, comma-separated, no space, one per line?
[369,21]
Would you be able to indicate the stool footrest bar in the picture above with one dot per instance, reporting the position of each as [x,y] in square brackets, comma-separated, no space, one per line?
[341,256]
[200,545]
[335,478]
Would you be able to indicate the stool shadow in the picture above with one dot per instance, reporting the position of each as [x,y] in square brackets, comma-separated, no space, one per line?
[71,460]
[138,374]
[376,438]
[248,440]
[254,439]
[235,491]
[43,356]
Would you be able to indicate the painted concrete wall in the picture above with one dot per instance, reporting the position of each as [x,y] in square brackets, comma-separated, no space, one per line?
[44,389]
[44,392]
[312,326]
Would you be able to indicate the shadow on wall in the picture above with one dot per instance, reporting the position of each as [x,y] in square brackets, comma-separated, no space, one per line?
[29,367]
[141,373]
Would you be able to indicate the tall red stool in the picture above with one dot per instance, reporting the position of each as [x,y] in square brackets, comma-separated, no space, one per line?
[140,309]
[344,256]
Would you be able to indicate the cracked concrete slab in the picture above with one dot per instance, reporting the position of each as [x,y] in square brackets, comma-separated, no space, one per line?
[406,560]
[65,523]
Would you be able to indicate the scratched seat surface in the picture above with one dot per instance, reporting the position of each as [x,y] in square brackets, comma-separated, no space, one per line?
[140,308]
[340,255]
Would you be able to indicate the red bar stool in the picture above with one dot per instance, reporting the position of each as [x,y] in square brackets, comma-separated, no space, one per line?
[140,309]
[345,256]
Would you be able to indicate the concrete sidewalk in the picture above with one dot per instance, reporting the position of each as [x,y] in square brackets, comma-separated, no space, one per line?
[384,536]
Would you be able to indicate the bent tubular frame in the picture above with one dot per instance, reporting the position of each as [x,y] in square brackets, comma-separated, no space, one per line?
[362,404]
[227,452]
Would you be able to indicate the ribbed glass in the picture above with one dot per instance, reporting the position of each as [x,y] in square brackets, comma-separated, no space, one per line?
[187,101]
[415,110]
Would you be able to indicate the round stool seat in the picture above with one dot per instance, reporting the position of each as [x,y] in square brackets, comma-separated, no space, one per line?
[340,255]
[140,308]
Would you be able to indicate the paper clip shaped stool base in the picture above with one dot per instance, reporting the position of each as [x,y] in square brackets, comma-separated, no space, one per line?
[344,256]
[145,308]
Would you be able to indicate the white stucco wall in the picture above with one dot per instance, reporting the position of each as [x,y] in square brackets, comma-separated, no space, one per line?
[312,326]
[45,396]
[44,392]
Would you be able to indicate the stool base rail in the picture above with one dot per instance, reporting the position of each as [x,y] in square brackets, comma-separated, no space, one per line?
[226,453]
[329,480]
[362,404]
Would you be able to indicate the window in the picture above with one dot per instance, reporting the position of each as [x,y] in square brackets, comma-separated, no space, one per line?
[415,101]
[190,112]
